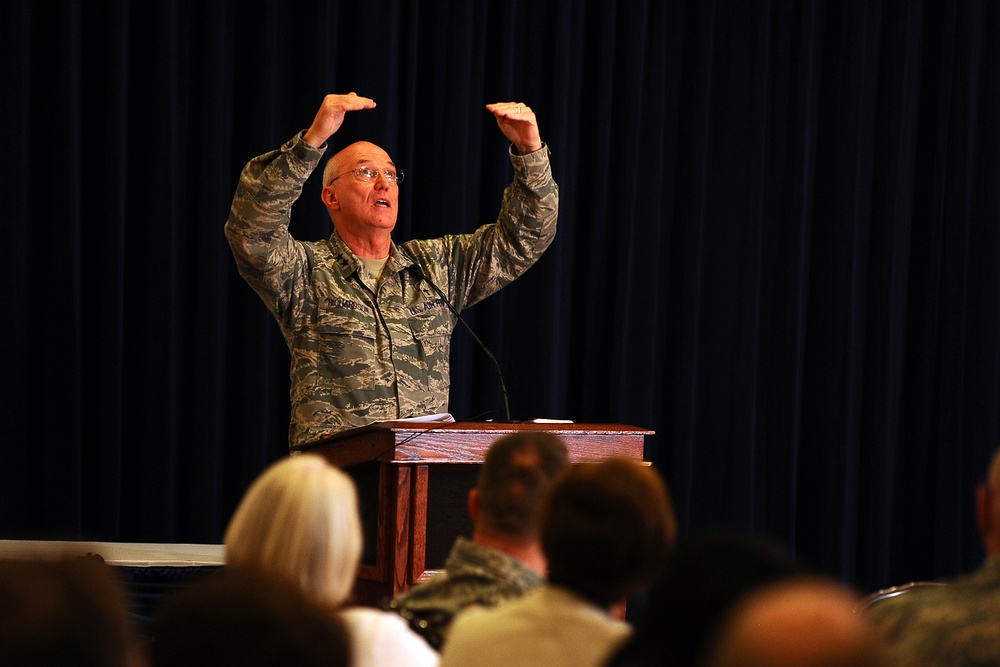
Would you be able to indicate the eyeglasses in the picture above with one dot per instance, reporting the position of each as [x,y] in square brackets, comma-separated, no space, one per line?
[367,175]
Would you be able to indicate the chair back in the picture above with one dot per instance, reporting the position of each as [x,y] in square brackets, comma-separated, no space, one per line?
[895,591]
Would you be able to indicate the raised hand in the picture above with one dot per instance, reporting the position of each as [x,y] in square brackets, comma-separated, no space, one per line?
[518,123]
[331,114]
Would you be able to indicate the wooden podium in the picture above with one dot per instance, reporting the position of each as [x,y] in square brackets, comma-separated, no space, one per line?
[403,452]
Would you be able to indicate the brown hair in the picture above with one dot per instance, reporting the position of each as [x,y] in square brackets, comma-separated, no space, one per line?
[516,473]
[63,612]
[607,529]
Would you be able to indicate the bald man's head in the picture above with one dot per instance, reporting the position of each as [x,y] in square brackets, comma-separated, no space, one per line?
[800,623]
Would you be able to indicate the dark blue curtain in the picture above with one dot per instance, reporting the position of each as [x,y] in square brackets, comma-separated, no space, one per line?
[778,249]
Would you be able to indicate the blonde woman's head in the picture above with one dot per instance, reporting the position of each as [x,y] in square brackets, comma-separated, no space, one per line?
[300,520]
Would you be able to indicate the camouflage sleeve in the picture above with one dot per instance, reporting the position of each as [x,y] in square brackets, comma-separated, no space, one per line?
[257,228]
[476,265]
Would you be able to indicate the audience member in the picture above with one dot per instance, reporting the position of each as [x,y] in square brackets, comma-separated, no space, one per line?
[300,520]
[246,618]
[504,558]
[606,530]
[803,622]
[64,612]
[701,583]
[954,624]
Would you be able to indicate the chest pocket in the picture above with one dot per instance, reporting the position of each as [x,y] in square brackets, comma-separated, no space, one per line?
[430,326]
[345,355]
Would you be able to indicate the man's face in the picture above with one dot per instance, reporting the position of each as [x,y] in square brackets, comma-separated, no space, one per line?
[358,206]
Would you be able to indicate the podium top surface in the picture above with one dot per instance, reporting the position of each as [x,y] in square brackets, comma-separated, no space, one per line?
[406,442]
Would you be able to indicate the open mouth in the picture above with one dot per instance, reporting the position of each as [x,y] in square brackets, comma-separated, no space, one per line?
[384,203]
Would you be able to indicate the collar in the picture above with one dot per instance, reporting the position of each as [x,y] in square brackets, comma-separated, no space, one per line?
[344,261]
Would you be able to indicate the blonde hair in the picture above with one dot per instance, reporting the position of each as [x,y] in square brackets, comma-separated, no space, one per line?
[299,520]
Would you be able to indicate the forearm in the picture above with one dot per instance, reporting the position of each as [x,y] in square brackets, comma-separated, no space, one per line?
[530,207]
[534,193]
[269,185]
[498,253]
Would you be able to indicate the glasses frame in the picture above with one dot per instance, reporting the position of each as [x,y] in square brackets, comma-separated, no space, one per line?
[369,174]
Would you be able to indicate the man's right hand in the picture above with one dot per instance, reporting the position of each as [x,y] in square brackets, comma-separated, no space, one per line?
[330,116]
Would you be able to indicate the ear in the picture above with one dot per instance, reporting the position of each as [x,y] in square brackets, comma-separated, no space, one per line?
[329,198]
[474,505]
[983,515]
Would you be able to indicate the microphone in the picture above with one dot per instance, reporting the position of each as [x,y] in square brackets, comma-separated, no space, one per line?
[419,271]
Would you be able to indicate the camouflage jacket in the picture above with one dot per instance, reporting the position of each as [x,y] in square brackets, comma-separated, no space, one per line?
[362,349]
[955,624]
[473,575]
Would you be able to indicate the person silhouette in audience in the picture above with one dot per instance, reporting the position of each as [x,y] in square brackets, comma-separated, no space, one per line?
[606,530]
[299,520]
[247,618]
[955,623]
[504,558]
[701,583]
[69,611]
[806,621]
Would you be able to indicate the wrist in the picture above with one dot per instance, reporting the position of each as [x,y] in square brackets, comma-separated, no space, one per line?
[313,139]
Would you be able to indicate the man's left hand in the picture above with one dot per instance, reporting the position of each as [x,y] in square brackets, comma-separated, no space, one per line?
[517,122]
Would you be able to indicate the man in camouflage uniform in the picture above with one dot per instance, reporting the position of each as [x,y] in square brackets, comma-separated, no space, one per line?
[504,558]
[957,623]
[368,335]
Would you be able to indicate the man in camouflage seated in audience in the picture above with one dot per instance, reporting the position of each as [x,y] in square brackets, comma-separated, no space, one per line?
[956,623]
[503,559]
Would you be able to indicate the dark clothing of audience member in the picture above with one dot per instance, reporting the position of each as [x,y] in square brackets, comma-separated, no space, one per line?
[244,618]
[702,581]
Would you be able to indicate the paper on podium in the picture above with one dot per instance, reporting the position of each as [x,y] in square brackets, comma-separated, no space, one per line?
[440,417]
